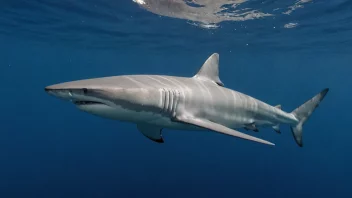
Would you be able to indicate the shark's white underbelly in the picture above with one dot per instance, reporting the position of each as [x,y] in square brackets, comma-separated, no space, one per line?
[115,113]
[122,114]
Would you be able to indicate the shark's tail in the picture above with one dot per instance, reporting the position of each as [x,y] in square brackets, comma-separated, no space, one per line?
[303,112]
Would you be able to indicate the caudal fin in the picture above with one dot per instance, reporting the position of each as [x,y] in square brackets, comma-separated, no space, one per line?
[303,112]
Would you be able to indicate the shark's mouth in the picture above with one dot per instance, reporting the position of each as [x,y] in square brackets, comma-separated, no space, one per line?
[87,103]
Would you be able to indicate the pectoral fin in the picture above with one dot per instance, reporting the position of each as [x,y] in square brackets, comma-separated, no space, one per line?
[218,128]
[152,132]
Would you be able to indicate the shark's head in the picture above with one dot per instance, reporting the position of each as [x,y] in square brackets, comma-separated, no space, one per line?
[82,93]
[111,97]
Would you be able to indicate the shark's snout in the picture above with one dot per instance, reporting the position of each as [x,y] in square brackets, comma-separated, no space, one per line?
[49,90]
[72,92]
[65,94]
[66,90]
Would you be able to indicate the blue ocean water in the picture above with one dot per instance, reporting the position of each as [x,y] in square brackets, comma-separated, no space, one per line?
[48,148]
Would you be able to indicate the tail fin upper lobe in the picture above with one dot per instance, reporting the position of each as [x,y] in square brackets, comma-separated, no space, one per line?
[303,112]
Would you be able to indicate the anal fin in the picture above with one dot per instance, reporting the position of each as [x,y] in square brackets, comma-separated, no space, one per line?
[207,124]
[151,131]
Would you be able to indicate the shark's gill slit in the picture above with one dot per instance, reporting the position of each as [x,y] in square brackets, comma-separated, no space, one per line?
[166,102]
[163,100]
[162,95]
[169,101]
[175,102]
[169,108]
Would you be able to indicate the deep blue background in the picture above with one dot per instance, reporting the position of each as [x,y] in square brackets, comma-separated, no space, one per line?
[50,149]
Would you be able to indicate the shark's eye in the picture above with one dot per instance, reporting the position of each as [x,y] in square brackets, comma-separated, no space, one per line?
[85,90]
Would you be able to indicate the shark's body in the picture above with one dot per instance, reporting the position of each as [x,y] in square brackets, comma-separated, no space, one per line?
[201,102]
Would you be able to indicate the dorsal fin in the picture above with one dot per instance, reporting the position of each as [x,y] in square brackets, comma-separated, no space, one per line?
[210,70]
[278,106]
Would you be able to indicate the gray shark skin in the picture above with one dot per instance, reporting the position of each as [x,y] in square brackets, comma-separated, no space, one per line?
[201,102]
